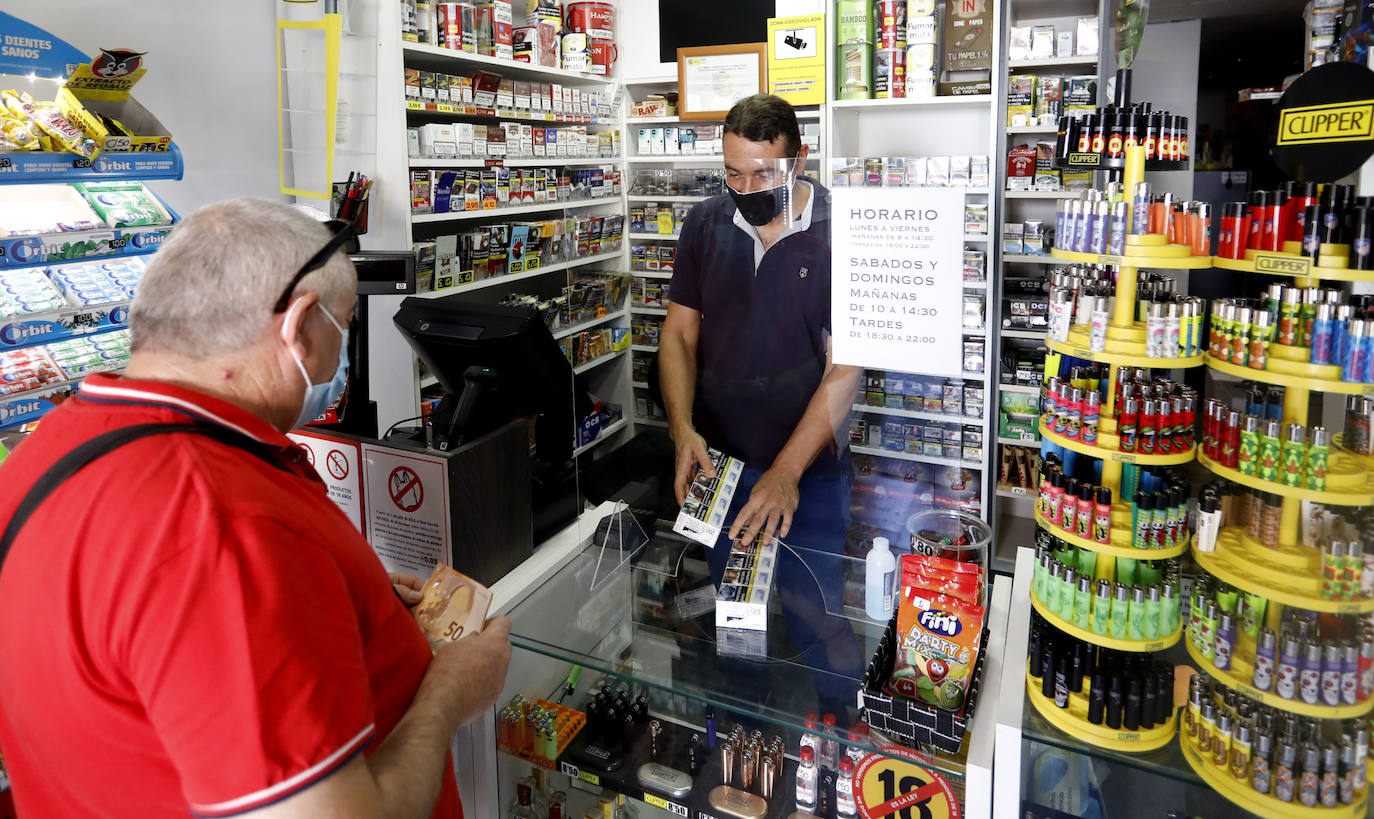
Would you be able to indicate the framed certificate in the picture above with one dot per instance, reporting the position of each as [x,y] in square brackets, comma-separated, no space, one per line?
[711,79]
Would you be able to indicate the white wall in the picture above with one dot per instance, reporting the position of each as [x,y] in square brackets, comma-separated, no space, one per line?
[211,80]
[1165,74]
[637,23]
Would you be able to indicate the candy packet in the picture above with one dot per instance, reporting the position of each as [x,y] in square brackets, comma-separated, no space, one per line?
[938,639]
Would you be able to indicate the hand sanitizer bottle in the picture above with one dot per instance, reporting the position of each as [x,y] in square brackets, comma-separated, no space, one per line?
[880,581]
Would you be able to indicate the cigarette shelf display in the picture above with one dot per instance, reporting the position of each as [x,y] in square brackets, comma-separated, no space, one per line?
[914,456]
[509,210]
[437,57]
[1120,545]
[1239,677]
[569,101]
[515,162]
[1241,794]
[495,281]
[1073,721]
[466,111]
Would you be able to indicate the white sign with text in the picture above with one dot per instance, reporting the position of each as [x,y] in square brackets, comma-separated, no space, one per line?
[897,271]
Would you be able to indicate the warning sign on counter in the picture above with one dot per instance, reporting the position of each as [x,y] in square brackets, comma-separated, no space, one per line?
[407,509]
[897,279]
[336,462]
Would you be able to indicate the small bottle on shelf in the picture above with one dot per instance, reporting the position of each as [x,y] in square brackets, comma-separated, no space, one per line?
[806,779]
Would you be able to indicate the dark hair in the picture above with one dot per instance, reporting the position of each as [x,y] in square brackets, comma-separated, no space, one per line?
[764,118]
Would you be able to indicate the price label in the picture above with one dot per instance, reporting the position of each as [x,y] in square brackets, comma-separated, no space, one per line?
[1111,260]
[568,769]
[664,804]
[1123,457]
[414,105]
[1019,490]
[589,777]
[445,108]
[531,262]
[893,787]
[1028,436]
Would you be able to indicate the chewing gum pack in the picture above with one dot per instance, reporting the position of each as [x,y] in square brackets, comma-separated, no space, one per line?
[454,606]
[702,517]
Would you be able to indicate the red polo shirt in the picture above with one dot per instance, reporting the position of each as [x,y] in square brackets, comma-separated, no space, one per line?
[184,625]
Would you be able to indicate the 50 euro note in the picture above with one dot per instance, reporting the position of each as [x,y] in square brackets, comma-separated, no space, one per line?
[454,606]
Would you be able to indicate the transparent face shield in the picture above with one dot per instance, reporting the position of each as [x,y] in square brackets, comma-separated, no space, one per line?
[763,189]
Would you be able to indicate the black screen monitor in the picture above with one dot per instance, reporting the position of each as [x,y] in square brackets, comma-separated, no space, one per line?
[496,363]
[384,273]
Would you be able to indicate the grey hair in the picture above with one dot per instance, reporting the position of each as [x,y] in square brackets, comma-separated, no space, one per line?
[210,288]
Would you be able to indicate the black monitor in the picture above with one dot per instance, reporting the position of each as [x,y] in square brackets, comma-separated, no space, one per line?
[495,363]
[384,272]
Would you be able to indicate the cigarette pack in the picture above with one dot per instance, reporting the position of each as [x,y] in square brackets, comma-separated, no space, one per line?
[702,517]
[746,585]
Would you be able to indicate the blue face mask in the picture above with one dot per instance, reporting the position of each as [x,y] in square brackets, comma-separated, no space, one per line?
[320,397]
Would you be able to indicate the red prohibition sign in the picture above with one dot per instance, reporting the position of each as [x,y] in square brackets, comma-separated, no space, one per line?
[337,464]
[405,489]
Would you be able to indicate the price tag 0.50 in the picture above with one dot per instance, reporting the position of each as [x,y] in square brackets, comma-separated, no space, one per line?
[889,787]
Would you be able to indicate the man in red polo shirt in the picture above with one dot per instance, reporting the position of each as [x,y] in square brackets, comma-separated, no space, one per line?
[188,623]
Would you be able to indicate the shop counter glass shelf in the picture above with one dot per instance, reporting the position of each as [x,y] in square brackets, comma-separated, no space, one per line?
[646,616]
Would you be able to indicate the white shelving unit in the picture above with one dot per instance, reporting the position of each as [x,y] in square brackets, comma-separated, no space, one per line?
[1017,206]
[937,126]
[373,57]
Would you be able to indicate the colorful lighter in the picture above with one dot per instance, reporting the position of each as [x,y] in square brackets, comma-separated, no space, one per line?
[1315,471]
[1121,604]
[1292,455]
[1102,608]
[1136,613]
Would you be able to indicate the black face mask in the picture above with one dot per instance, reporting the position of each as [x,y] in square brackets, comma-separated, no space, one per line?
[759,207]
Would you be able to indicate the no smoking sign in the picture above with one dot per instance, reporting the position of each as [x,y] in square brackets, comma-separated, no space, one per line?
[337,464]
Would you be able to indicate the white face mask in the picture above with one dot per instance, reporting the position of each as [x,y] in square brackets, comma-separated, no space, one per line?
[320,397]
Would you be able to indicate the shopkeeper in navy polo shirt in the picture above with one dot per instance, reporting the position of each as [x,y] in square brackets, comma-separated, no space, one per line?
[745,366]
[188,624]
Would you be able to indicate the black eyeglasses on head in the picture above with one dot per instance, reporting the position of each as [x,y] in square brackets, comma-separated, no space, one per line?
[343,231]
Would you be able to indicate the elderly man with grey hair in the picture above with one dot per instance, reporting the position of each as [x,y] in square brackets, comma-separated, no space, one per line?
[187,622]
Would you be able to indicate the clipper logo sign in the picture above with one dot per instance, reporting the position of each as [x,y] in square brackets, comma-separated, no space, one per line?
[1338,122]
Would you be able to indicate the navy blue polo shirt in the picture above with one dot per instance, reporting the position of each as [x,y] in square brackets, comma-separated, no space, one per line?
[764,332]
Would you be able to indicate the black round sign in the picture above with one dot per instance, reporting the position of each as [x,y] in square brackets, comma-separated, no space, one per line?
[1326,123]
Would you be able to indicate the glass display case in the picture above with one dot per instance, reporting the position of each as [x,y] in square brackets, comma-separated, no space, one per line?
[622,683]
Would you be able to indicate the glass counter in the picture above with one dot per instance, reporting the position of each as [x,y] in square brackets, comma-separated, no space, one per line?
[641,619]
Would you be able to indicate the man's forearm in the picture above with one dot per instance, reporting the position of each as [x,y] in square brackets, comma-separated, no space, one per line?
[409,765]
[828,408]
[677,381]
